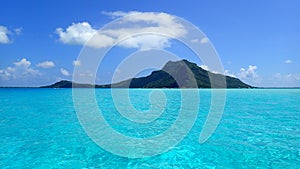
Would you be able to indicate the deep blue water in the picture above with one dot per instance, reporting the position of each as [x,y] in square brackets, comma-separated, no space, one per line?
[260,128]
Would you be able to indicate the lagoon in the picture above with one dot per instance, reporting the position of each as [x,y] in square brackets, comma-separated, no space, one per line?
[259,129]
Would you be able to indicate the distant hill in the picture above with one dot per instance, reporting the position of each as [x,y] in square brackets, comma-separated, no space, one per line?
[184,71]
[68,84]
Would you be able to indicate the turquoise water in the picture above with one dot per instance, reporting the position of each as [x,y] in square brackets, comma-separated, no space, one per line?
[260,128]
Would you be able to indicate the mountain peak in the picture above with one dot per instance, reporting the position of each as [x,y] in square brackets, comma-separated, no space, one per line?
[185,72]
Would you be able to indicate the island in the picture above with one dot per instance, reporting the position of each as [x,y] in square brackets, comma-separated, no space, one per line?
[184,71]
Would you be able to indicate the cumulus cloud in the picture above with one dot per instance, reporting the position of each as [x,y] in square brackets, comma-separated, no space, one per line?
[20,69]
[146,42]
[76,63]
[287,77]
[64,72]
[116,14]
[250,72]
[46,64]
[228,73]
[195,40]
[204,40]
[81,33]
[5,34]
[23,62]
[205,67]
[250,75]
[87,74]
[288,61]
[148,26]
[285,80]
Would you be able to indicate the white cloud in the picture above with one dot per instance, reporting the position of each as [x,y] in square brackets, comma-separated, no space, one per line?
[288,61]
[64,72]
[149,26]
[249,75]
[76,63]
[4,32]
[21,69]
[146,42]
[250,72]
[195,40]
[81,33]
[115,14]
[23,62]
[205,67]
[87,74]
[287,77]
[228,73]
[46,64]
[204,40]
[285,80]
[18,31]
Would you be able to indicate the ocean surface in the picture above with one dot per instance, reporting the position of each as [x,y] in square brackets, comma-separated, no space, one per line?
[260,128]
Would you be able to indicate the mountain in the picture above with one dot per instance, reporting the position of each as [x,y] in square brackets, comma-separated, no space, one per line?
[187,74]
[68,84]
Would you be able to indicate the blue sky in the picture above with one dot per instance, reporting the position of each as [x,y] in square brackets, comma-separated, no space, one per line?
[257,41]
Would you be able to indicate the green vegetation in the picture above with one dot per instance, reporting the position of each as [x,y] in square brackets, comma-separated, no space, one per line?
[179,74]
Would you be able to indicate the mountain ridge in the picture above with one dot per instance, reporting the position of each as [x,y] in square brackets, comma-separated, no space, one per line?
[187,75]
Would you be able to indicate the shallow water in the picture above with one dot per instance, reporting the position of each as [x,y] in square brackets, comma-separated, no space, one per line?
[259,129]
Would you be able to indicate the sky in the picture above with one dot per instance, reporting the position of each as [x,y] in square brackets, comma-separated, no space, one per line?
[256,41]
